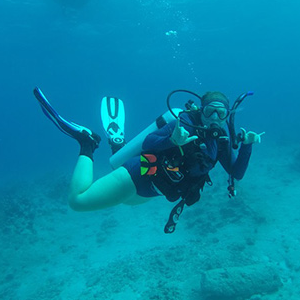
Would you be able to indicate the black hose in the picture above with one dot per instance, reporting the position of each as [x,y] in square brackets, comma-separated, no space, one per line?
[234,138]
[177,117]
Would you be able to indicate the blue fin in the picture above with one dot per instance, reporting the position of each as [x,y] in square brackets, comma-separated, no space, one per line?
[65,126]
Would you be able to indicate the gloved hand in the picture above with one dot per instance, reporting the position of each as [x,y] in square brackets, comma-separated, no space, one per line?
[251,137]
[180,136]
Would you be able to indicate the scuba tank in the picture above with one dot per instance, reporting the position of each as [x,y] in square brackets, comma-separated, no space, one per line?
[134,147]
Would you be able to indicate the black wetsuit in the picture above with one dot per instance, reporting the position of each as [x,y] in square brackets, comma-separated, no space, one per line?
[160,141]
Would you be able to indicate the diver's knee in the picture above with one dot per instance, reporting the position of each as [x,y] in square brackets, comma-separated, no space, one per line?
[75,204]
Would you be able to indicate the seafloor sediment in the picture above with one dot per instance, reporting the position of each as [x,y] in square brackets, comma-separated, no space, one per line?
[243,248]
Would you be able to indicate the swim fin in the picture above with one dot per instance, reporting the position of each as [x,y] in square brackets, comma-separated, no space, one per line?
[113,121]
[72,129]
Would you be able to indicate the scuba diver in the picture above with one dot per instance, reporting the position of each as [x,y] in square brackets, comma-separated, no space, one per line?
[171,158]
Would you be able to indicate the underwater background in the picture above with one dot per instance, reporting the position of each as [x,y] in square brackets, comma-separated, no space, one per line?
[78,51]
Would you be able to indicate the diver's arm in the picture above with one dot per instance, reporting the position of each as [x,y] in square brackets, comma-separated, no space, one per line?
[163,138]
[236,166]
[160,139]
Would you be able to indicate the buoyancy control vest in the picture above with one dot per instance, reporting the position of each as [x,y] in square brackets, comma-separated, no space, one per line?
[172,175]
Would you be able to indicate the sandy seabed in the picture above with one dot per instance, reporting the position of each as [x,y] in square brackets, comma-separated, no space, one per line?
[222,249]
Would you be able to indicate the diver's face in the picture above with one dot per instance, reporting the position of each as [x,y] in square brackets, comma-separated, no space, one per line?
[214,113]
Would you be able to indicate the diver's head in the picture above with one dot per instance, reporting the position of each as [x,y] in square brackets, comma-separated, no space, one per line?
[215,109]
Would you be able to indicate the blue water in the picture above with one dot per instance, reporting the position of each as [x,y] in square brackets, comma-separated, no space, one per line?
[80,51]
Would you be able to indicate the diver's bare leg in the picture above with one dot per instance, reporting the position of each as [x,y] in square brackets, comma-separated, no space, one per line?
[115,188]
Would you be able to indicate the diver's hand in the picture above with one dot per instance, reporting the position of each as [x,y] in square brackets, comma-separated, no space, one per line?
[251,137]
[180,136]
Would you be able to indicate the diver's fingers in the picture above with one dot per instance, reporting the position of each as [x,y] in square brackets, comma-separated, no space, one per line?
[259,137]
[191,138]
[177,124]
[243,130]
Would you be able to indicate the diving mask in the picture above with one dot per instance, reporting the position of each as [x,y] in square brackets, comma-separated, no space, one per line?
[209,109]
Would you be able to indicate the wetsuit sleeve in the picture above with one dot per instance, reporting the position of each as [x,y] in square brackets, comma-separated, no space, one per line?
[236,166]
[159,140]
